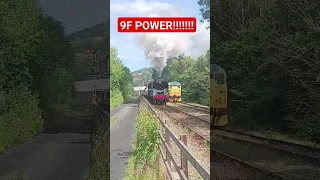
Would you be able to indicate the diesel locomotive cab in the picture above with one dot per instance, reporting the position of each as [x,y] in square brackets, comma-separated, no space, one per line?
[218,96]
[174,92]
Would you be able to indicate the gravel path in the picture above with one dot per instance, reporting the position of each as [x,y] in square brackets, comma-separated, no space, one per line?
[60,154]
[121,139]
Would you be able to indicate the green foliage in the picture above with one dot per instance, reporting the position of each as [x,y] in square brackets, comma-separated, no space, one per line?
[20,117]
[36,61]
[120,80]
[204,9]
[20,36]
[99,166]
[116,98]
[126,84]
[143,163]
[57,95]
[270,52]
[193,76]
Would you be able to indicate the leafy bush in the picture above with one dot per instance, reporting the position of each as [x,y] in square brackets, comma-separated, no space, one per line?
[99,166]
[144,160]
[20,118]
[116,98]
[120,80]
[36,61]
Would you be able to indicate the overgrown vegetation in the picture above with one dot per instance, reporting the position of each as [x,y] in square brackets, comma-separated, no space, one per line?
[144,160]
[100,156]
[36,61]
[193,75]
[120,80]
[100,150]
[270,50]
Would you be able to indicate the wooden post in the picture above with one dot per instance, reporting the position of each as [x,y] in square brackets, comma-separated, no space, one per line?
[160,126]
[184,160]
[169,145]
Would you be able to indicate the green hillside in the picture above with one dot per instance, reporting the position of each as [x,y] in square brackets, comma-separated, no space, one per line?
[92,38]
[145,74]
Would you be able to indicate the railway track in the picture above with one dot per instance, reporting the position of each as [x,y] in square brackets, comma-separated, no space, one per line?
[192,126]
[225,166]
[307,152]
[201,108]
[197,112]
[283,159]
[301,159]
[192,123]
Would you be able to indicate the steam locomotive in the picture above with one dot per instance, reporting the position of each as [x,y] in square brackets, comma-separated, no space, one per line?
[157,92]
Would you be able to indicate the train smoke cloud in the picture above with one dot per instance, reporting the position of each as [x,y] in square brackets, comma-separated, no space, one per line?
[158,47]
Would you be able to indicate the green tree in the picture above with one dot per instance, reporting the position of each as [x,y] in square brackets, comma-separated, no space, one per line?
[205,9]
[35,64]
[193,76]
[126,84]
[121,80]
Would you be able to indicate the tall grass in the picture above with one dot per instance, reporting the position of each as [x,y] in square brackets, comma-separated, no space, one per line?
[100,154]
[144,161]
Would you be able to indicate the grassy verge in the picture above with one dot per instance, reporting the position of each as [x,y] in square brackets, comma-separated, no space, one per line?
[100,156]
[99,168]
[144,163]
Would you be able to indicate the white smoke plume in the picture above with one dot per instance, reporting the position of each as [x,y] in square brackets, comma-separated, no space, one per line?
[158,47]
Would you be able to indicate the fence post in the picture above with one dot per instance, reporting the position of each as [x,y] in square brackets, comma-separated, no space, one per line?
[184,160]
[160,126]
[169,145]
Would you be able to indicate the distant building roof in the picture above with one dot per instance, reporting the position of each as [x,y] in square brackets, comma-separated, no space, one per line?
[90,85]
[140,88]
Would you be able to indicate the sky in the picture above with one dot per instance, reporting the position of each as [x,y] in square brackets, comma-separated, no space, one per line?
[130,48]
[77,14]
